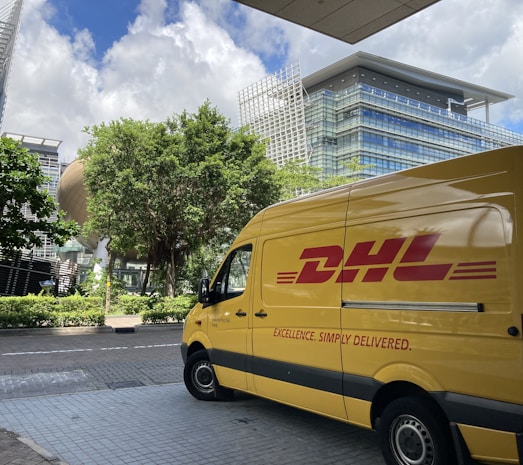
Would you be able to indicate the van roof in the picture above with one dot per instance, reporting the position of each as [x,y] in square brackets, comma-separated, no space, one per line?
[391,191]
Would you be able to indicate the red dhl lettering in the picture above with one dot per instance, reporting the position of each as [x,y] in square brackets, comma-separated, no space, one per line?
[325,263]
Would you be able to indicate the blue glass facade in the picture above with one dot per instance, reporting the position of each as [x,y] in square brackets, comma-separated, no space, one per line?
[390,131]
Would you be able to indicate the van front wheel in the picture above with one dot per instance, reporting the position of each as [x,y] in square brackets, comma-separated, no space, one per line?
[200,379]
[412,433]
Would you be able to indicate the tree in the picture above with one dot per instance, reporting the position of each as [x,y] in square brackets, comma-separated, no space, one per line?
[21,181]
[116,161]
[166,189]
[295,178]
[298,178]
[354,168]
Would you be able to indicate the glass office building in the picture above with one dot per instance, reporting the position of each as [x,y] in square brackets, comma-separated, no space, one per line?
[9,23]
[392,116]
[47,151]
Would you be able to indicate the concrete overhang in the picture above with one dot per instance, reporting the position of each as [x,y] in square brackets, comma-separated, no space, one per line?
[346,20]
[474,96]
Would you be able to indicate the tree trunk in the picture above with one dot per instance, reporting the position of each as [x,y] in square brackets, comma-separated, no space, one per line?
[110,265]
[170,285]
[146,279]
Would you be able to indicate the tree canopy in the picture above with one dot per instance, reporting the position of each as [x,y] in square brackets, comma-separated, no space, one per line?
[297,178]
[21,181]
[165,189]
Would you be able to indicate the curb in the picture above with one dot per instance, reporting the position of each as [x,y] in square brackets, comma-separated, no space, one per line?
[74,331]
[161,326]
[68,331]
[41,451]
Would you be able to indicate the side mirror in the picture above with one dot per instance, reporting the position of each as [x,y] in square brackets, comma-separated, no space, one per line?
[203,291]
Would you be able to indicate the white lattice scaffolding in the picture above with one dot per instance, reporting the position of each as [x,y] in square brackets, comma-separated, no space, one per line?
[273,109]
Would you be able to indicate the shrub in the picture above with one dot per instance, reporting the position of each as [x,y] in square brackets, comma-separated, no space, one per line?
[77,303]
[155,316]
[169,310]
[30,311]
[41,312]
[180,306]
[132,304]
[81,318]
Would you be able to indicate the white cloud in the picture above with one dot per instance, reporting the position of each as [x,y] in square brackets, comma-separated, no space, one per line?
[477,41]
[214,48]
[50,79]
[155,70]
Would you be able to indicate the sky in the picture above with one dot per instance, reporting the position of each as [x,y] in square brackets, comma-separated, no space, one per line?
[81,63]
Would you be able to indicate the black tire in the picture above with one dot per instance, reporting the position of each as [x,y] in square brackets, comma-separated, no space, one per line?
[413,432]
[200,379]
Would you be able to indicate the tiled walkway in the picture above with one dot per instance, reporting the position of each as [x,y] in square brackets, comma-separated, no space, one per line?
[164,425]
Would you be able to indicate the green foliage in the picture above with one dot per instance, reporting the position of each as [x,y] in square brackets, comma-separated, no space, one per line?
[156,316]
[81,318]
[133,305]
[48,312]
[94,286]
[170,310]
[354,170]
[180,305]
[78,303]
[297,178]
[167,189]
[117,161]
[202,264]
[26,311]
[21,181]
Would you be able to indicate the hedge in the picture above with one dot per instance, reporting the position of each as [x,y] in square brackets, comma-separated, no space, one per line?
[169,310]
[50,312]
[133,305]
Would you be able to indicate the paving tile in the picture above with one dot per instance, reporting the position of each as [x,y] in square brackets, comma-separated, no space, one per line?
[165,425]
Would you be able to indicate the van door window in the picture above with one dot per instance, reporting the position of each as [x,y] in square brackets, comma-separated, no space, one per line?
[232,278]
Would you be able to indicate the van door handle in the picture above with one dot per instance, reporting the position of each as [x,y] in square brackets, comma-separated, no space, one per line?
[241,313]
[260,314]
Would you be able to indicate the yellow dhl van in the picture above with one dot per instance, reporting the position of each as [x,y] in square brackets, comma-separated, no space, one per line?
[393,303]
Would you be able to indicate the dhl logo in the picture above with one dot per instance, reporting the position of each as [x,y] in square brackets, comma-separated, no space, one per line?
[323,263]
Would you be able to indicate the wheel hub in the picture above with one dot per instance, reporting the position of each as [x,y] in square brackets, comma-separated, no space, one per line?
[411,442]
[203,377]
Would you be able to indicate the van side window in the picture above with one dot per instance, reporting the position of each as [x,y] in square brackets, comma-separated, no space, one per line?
[232,278]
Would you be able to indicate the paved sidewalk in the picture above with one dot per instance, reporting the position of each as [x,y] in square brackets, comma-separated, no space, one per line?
[164,425]
[124,321]
[20,450]
[132,323]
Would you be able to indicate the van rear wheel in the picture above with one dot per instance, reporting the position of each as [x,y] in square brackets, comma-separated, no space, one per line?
[413,433]
[200,379]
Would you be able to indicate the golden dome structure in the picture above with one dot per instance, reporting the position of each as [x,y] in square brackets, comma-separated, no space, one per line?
[72,198]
